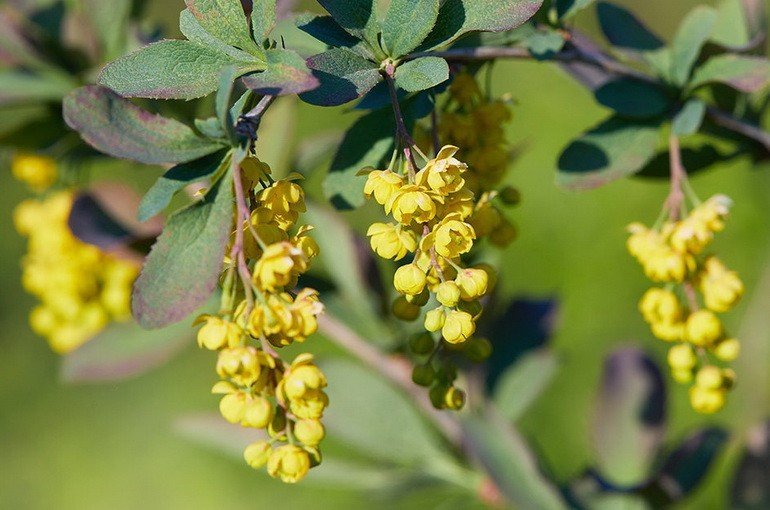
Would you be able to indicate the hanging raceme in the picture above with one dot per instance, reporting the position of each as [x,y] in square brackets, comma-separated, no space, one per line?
[672,253]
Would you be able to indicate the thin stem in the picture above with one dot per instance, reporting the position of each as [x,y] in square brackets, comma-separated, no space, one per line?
[434,127]
[402,134]
[237,254]
[675,198]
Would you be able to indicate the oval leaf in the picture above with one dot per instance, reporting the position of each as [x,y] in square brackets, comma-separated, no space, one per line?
[225,20]
[689,118]
[624,30]
[615,148]
[183,267]
[629,421]
[741,72]
[690,38]
[357,17]
[342,75]
[286,73]
[422,74]
[407,24]
[170,69]
[633,98]
[121,129]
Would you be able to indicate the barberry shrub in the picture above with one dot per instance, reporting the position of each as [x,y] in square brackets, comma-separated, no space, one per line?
[427,161]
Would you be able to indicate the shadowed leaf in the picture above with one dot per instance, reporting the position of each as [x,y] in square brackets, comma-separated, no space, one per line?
[326,30]
[568,8]
[183,267]
[629,422]
[751,482]
[357,17]
[685,48]
[116,127]
[633,98]
[624,30]
[173,181]
[342,75]
[615,148]
[286,73]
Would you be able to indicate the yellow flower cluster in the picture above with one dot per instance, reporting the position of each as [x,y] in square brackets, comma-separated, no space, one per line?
[673,255]
[431,210]
[38,172]
[80,288]
[260,390]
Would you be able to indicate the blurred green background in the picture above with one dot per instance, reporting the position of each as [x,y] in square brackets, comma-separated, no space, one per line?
[114,446]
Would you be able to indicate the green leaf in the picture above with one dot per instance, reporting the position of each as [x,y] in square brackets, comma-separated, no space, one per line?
[422,74]
[170,69]
[211,128]
[521,385]
[731,29]
[629,422]
[510,463]
[407,24]
[624,30]
[286,74]
[17,116]
[353,388]
[326,30]
[122,351]
[183,268]
[690,38]
[568,8]
[342,75]
[367,143]
[544,44]
[458,17]
[633,98]
[193,31]
[121,129]
[689,119]
[110,21]
[225,20]
[615,148]
[357,17]
[160,194]
[263,19]
[18,87]
[751,482]
[224,98]
[741,72]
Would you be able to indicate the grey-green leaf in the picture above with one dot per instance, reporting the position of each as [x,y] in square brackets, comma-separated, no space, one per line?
[170,69]
[407,24]
[263,19]
[633,98]
[741,72]
[224,98]
[342,75]
[183,268]
[510,463]
[121,129]
[193,31]
[689,119]
[357,17]
[286,73]
[459,17]
[615,148]
[18,86]
[751,481]
[690,38]
[629,422]
[160,194]
[422,74]
[225,20]
[520,386]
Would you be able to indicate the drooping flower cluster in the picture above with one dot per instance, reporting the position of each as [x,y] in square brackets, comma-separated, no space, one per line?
[37,172]
[673,255]
[267,312]
[431,210]
[81,288]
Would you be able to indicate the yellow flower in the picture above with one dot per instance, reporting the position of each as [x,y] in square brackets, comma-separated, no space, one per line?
[721,288]
[232,406]
[38,172]
[458,327]
[682,357]
[217,333]
[289,463]
[390,241]
[660,305]
[691,235]
[382,184]
[444,173]
[707,401]
[703,328]
[461,203]
[454,399]
[464,89]
[486,218]
[435,319]
[258,413]
[409,279]
[448,294]
[451,237]
[257,454]
[710,378]
[309,432]
[286,200]
[279,266]
[411,203]
[302,377]
[311,406]
[240,364]
[668,331]
[473,283]
[728,349]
